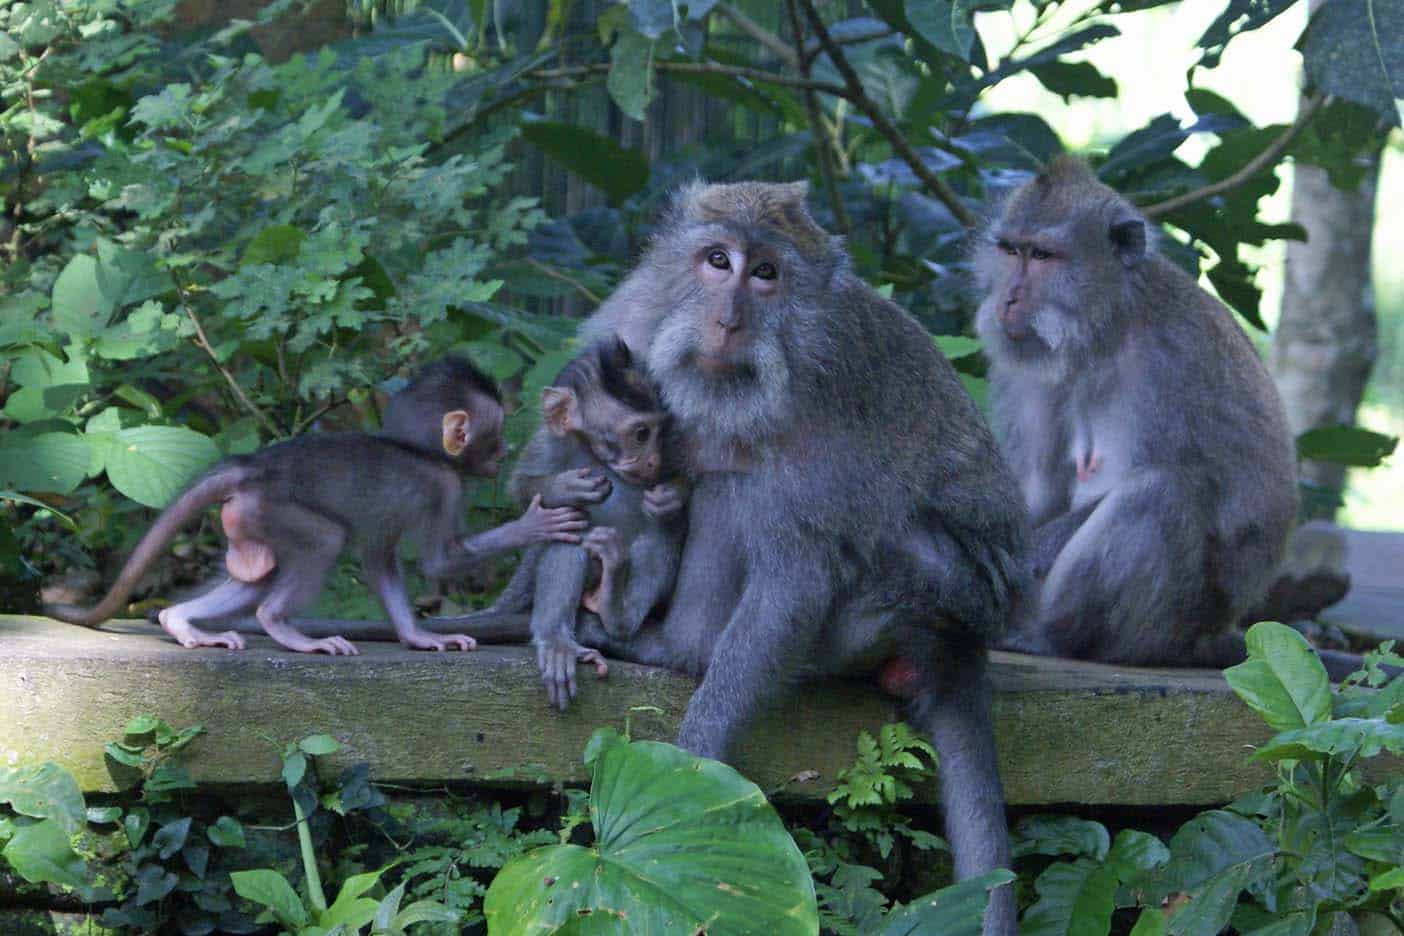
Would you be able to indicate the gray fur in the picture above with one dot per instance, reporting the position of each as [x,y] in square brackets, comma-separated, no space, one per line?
[1153,556]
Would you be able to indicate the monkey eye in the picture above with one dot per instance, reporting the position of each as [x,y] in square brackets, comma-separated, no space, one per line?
[719,259]
[1007,247]
[641,434]
[765,271]
[1038,253]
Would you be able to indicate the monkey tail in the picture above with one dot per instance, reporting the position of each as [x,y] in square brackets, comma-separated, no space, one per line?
[516,597]
[214,487]
[953,709]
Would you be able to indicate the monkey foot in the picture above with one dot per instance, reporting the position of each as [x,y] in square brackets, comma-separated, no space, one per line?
[586,655]
[427,640]
[336,646]
[1088,464]
[899,677]
[190,636]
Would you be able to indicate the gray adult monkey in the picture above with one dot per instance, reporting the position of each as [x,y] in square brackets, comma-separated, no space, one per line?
[1149,440]
[848,506]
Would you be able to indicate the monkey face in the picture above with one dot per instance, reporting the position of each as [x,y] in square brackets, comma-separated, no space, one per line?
[630,444]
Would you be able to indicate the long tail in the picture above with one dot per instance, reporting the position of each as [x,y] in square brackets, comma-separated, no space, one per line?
[214,487]
[516,597]
[953,708]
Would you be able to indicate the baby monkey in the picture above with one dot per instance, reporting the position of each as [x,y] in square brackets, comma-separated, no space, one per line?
[601,450]
[290,509]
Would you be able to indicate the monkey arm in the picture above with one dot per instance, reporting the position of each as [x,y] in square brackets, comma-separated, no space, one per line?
[771,632]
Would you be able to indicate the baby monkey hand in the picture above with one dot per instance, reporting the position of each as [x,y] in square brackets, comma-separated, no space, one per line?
[664,500]
[551,524]
[579,487]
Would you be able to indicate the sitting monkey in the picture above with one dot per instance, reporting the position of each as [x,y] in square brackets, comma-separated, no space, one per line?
[601,451]
[290,509]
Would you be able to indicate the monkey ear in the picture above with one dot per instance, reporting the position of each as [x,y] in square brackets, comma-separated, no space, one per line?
[560,409]
[456,430]
[626,358]
[1128,237]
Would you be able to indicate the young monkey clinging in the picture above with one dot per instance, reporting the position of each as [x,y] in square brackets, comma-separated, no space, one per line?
[601,450]
[290,509]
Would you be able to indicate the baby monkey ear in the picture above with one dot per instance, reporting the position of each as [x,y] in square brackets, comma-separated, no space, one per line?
[560,409]
[1128,238]
[457,432]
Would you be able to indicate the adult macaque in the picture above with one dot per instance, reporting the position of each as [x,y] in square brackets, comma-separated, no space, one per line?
[290,509]
[600,448]
[1151,445]
[848,504]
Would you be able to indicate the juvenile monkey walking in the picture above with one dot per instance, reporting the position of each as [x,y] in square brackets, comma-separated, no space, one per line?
[600,449]
[1149,440]
[290,509]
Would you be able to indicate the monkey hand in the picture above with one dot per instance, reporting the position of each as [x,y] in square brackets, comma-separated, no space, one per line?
[419,639]
[556,658]
[579,487]
[606,545]
[664,500]
[551,524]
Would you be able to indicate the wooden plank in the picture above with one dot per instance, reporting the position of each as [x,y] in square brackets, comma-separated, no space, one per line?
[1068,732]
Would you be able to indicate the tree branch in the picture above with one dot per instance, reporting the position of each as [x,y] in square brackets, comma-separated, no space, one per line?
[704,68]
[823,143]
[759,33]
[556,274]
[202,342]
[1267,157]
[854,92]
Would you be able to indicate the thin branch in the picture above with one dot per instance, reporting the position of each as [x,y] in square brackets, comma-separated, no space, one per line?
[202,342]
[1257,164]
[812,50]
[759,33]
[824,144]
[705,68]
[556,274]
[317,414]
[854,92]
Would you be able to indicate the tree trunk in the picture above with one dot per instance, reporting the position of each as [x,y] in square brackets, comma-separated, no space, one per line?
[1325,344]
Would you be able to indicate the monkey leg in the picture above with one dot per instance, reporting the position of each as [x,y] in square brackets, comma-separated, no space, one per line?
[561,574]
[1131,584]
[952,707]
[383,575]
[308,544]
[228,597]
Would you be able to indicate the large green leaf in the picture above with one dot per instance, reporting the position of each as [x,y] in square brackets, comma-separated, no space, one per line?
[48,461]
[45,792]
[151,464]
[616,171]
[1346,445]
[1075,898]
[1342,737]
[630,80]
[1282,679]
[1214,856]
[1355,50]
[42,852]
[268,888]
[1060,835]
[80,306]
[958,910]
[681,843]
[946,24]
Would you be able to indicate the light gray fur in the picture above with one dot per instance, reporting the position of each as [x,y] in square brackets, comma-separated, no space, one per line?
[1154,556]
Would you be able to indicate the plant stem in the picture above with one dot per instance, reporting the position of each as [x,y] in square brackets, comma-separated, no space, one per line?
[309,859]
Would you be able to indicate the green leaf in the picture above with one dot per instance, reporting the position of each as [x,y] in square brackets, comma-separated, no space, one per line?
[170,838]
[681,843]
[1342,737]
[142,725]
[275,244]
[294,769]
[1135,854]
[1393,879]
[152,464]
[41,852]
[1346,445]
[319,745]
[104,815]
[350,909]
[124,756]
[80,307]
[45,792]
[1282,679]
[50,461]
[1151,922]
[956,346]
[1239,16]
[1213,857]
[268,888]
[615,170]
[957,910]
[630,81]
[946,24]
[1060,835]
[1074,899]
[226,833]
[135,824]
[1355,49]
[1074,79]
